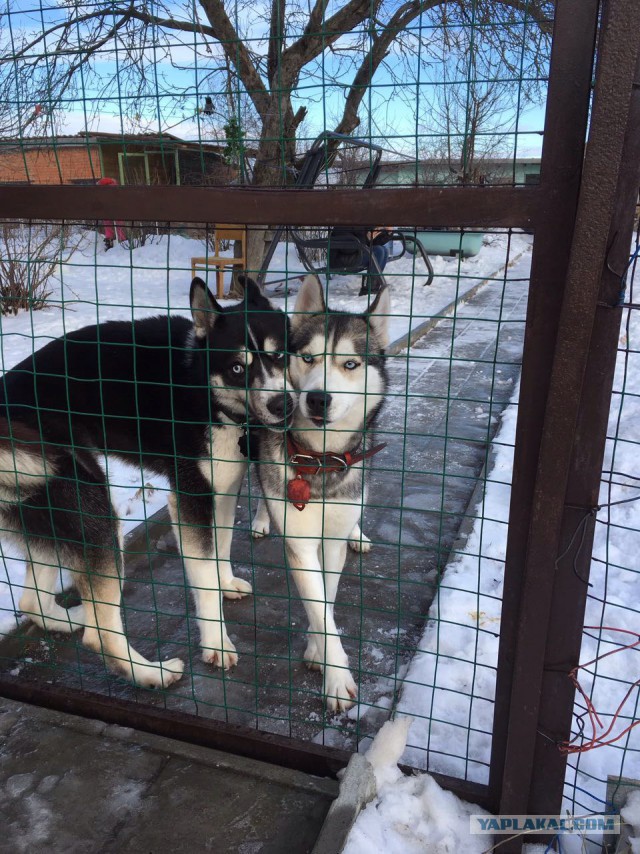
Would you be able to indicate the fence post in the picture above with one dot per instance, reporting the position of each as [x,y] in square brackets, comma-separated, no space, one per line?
[565,637]
[552,597]
[562,158]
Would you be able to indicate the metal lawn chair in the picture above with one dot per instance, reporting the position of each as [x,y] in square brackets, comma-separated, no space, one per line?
[314,244]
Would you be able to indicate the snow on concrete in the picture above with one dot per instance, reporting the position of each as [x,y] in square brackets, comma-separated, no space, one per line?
[449,686]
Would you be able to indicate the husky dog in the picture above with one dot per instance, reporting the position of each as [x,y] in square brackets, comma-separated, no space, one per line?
[163,393]
[312,476]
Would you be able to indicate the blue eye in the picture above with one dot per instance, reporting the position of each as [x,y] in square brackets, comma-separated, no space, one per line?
[351,365]
[237,368]
[308,359]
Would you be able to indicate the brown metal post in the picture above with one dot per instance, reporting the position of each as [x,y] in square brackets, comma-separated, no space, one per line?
[524,790]
[562,159]
[565,636]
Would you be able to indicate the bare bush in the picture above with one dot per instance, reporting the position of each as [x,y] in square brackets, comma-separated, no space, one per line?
[30,253]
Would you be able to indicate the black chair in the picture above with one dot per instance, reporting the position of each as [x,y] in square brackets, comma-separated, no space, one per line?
[315,252]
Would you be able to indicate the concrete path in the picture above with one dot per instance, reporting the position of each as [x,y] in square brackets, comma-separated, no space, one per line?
[75,786]
[447,395]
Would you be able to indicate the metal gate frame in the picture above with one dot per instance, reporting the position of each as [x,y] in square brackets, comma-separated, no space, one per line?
[547,573]
[581,214]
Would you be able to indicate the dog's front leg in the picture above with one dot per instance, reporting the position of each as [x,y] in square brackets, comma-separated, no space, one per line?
[359,542]
[192,517]
[261,524]
[340,689]
[224,517]
[332,558]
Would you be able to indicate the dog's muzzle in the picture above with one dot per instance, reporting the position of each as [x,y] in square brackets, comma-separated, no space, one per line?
[281,406]
[318,403]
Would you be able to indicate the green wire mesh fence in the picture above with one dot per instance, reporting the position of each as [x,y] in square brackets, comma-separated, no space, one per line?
[441,410]
[445,94]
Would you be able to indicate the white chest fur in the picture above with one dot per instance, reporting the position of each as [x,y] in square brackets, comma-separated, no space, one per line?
[226,465]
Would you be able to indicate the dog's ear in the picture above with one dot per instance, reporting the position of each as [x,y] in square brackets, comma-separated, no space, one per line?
[310,300]
[204,308]
[252,293]
[378,316]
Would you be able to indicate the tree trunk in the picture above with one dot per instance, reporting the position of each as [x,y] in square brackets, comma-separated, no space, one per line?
[256,248]
[276,152]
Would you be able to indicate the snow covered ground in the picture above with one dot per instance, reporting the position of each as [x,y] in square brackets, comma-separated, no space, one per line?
[122,284]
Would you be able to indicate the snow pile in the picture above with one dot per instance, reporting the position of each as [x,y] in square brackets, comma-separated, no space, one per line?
[631,815]
[410,815]
[386,749]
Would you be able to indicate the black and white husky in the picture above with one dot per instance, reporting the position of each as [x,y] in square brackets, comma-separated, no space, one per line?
[313,475]
[163,393]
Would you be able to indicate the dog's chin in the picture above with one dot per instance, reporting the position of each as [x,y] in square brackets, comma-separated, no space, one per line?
[279,426]
[317,421]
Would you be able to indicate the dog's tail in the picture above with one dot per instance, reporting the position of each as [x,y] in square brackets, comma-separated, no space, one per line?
[24,461]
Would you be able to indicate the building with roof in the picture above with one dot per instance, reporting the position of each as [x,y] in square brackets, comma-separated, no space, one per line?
[153,158]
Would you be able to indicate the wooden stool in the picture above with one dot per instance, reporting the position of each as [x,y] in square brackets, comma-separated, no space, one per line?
[222,231]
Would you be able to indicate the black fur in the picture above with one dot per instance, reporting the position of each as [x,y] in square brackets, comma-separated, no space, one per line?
[137,390]
[140,391]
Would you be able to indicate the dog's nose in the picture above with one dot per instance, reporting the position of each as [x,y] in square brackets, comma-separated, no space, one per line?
[281,405]
[318,403]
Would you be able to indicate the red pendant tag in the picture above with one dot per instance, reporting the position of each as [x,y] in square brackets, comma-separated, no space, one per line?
[299,492]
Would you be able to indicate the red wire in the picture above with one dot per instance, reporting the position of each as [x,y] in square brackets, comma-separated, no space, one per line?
[599,740]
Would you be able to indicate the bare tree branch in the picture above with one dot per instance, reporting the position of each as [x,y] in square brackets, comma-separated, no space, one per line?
[276,40]
[238,54]
[372,60]
[314,41]
[360,34]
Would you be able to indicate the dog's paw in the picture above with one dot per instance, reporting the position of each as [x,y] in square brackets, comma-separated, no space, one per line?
[236,588]
[261,526]
[340,689]
[226,658]
[312,657]
[158,674]
[359,542]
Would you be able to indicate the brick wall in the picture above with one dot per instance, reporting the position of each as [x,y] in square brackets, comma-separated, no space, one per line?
[48,166]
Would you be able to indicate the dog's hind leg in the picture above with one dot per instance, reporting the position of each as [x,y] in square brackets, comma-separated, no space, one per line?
[38,599]
[100,590]
[191,515]
[340,690]
[80,524]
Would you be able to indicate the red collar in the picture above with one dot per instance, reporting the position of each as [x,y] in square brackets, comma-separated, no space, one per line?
[308,463]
